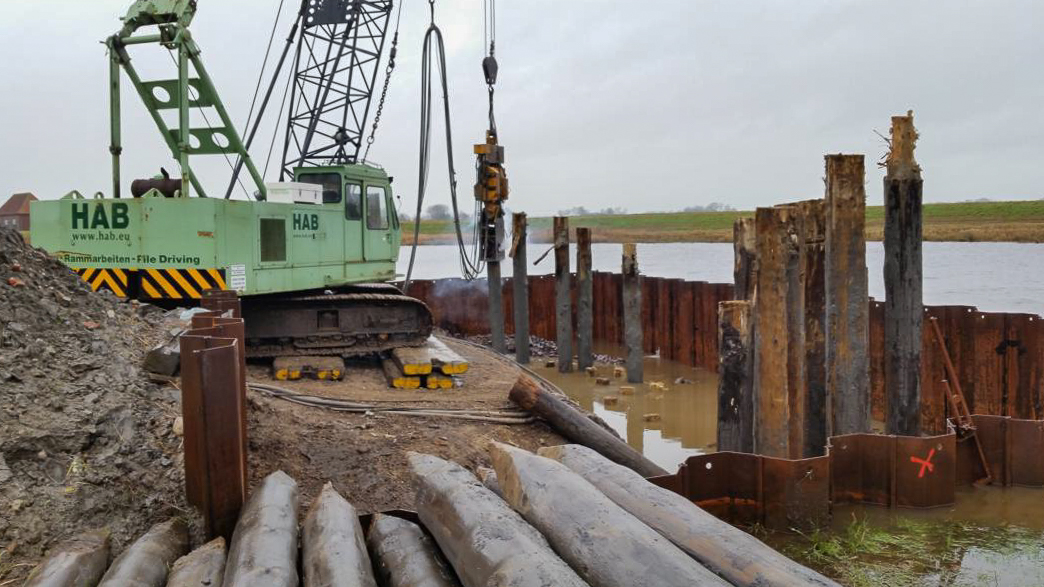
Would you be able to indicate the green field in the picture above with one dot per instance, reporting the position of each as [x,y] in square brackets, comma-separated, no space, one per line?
[1020,221]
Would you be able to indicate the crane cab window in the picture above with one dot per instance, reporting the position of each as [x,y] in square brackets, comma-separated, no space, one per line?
[331,183]
[353,201]
[376,208]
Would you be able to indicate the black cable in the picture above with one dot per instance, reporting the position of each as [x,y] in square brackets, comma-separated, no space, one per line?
[469,269]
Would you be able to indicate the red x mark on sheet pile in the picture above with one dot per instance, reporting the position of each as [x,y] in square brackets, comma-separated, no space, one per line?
[926,464]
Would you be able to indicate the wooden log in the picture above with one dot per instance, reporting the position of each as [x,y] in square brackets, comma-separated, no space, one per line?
[595,536]
[520,285]
[438,381]
[395,378]
[495,293]
[77,562]
[584,302]
[632,314]
[903,281]
[203,566]
[485,541]
[570,423]
[563,296]
[814,242]
[847,298]
[745,263]
[264,546]
[729,552]
[333,548]
[779,348]
[413,360]
[405,556]
[736,383]
[145,562]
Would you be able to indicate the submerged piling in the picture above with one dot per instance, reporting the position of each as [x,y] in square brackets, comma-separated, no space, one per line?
[584,300]
[632,314]
[736,381]
[847,297]
[563,296]
[903,281]
[520,286]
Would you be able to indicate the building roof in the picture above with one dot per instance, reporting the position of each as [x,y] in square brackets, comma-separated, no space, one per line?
[17,204]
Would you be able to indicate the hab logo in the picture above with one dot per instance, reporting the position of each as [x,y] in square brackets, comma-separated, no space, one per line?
[114,216]
[304,221]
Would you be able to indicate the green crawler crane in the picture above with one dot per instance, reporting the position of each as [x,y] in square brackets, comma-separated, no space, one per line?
[312,257]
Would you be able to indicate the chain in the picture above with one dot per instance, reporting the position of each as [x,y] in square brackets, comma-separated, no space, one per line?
[384,94]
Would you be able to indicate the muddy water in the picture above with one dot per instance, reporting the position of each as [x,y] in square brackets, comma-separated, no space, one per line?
[687,410]
[991,536]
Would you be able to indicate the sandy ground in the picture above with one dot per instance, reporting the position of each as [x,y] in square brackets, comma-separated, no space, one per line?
[364,456]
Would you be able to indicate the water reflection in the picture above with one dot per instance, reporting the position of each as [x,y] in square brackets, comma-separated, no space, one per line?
[667,425]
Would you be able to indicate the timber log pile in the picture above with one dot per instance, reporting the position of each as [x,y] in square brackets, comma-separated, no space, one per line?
[566,517]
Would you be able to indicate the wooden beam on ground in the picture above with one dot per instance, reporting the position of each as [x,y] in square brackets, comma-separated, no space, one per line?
[577,427]
[584,300]
[520,285]
[413,360]
[563,296]
[847,298]
[729,552]
[598,538]
[396,379]
[632,314]
[903,276]
[736,380]
[485,541]
[779,348]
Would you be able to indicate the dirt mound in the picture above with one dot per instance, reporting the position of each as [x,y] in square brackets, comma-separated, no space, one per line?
[86,440]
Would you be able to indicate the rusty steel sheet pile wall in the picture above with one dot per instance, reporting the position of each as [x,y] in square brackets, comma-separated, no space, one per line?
[679,318]
[999,359]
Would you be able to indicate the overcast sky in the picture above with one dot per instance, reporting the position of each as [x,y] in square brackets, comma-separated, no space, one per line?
[646,106]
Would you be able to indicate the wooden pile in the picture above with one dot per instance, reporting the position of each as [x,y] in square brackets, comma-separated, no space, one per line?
[432,366]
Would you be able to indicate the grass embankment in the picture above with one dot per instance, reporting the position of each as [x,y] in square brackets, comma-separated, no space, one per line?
[966,222]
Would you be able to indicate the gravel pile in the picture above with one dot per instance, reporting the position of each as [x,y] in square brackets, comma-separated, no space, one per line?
[86,441]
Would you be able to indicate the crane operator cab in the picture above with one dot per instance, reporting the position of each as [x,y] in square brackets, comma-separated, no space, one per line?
[362,197]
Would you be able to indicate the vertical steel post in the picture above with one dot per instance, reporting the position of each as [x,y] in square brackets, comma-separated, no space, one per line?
[584,300]
[184,130]
[563,296]
[115,144]
[847,298]
[520,283]
[736,381]
[903,312]
[632,313]
[496,305]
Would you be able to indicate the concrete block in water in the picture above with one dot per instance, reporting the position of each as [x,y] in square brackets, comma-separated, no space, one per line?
[731,553]
[333,546]
[405,556]
[145,563]
[487,543]
[264,545]
[605,544]
[202,567]
[77,562]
